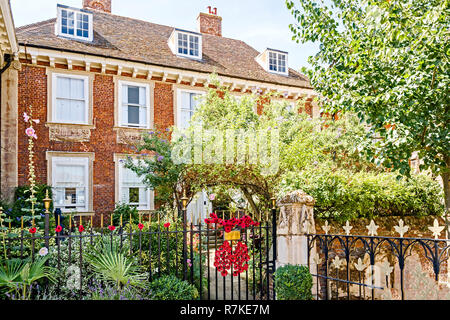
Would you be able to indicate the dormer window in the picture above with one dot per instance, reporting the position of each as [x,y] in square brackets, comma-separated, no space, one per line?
[277,62]
[186,44]
[74,23]
[274,61]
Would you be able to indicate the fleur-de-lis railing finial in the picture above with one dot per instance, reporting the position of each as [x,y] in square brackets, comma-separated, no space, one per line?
[360,266]
[326,227]
[386,268]
[336,263]
[347,228]
[401,228]
[372,228]
[436,229]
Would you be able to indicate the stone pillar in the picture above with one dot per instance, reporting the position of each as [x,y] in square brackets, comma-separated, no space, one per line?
[8,131]
[295,221]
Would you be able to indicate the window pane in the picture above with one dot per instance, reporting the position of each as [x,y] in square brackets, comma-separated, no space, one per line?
[133,95]
[133,195]
[62,110]
[77,89]
[143,197]
[62,87]
[142,116]
[142,96]
[69,176]
[133,114]
[185,100]
[129,177]
[71,196]
[185,118]
[77,111]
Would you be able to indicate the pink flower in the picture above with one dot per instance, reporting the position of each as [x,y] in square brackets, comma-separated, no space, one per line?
[189,262]
[36,121]
[26,118]
[212,196]
[30,132]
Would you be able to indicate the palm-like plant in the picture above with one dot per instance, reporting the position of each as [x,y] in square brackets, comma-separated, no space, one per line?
[18,275]
[112,265]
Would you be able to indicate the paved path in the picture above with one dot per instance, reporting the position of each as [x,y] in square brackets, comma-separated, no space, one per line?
[239,286]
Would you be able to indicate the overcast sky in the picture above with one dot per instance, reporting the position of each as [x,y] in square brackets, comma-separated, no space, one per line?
[260,23]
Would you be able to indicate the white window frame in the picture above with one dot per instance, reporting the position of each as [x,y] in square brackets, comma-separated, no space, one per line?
[79,161]
[199,56]
[179,102]
[150,193]
[147,105]
[54,97]
[76,12]
[277,54]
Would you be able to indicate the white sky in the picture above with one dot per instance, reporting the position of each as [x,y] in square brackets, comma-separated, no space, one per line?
[259,23]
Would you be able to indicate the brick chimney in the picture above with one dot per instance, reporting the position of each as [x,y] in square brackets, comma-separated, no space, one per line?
[100,5]
[210,23]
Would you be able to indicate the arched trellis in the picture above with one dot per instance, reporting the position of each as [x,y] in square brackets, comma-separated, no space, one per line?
[436,251]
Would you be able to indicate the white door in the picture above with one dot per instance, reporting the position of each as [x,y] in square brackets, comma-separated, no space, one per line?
[199,208]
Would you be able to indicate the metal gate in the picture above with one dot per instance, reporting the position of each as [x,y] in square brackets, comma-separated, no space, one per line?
[231,255]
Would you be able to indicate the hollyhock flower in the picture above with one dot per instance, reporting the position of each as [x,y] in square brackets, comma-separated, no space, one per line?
[111,228]
[58,229]
[189,262]
[166,225]
[43,252]
[30,132]
[81,228]
[36,121]
[212,196]
[26,117]
[140,226]
[32,230]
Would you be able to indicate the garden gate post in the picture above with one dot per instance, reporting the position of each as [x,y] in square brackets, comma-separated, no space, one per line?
[296,220]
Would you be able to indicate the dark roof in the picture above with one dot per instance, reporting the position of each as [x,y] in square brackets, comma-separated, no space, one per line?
[141,41]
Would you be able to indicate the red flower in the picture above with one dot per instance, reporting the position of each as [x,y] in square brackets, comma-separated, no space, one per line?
[140,226]
[166,225]
[224,273]
[81,228]
[32,230]
[112,228]
[58,229]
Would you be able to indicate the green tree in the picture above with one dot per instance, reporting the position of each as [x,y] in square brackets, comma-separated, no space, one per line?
[387,61]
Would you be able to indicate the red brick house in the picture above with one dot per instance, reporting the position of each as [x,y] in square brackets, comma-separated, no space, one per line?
[96,81]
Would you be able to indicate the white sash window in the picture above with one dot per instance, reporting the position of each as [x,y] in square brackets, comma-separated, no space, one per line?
[135,105]
[74,23]
[133,191]
[70,183]
[188,102]
[70,93]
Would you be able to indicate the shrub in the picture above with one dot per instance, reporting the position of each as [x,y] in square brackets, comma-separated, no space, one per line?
[172,288]
[125,210]
[293,283]
[345,195]
[22,205]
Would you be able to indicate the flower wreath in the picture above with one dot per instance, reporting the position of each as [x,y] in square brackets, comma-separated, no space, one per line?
[226,257]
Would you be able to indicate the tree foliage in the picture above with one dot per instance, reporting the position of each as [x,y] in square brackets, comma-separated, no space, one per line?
[387,61]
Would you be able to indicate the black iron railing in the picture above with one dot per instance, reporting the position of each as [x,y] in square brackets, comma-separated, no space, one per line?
[375,264]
